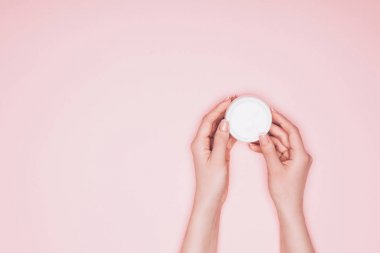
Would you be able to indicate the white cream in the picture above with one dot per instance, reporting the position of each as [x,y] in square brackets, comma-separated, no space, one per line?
[248,117]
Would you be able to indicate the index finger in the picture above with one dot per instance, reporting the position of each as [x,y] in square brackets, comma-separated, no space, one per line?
[295,140]
[205,129]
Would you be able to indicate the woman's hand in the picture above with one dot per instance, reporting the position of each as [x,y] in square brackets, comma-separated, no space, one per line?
[288,162]
[210,148]
[288,165]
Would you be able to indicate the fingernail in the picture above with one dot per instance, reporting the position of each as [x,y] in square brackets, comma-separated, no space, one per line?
[272,109]
[224,126]
[263,138]
[227,98]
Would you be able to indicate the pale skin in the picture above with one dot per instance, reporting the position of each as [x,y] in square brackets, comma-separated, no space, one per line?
[288,164]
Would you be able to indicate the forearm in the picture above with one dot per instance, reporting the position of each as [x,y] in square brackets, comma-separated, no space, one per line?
[294,236]
[203,229]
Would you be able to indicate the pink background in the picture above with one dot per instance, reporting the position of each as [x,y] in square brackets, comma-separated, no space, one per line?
[99,101]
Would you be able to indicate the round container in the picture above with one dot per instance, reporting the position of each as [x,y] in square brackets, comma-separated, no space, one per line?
[248,117]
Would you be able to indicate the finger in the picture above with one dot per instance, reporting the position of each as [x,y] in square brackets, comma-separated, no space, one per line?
[221,138]
[231,142]
[217,113]
[281,158]
[205,130]
[280,134]
[295,140]
[280,148]
[255,147]
[284,156]
[270,154]
[220,117]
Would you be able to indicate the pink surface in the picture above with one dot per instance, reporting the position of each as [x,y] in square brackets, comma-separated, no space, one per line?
[100,100]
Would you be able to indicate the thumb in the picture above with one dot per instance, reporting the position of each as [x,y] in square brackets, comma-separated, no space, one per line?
[221,138]
[269,151]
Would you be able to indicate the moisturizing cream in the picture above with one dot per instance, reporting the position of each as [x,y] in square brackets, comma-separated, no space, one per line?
[248,117]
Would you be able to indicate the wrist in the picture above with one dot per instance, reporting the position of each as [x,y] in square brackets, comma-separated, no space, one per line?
[206,205]
[290,213]
[208,201]
[289,206]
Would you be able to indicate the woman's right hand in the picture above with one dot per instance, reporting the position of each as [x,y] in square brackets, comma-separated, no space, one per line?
[288,166]
[287,161]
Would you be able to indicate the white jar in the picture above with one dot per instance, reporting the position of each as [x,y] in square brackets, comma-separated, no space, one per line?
[248,117]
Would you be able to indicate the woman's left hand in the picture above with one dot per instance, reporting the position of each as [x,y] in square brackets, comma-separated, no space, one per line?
[210,148]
